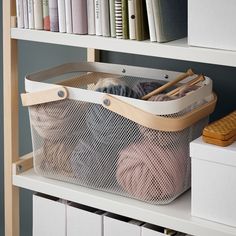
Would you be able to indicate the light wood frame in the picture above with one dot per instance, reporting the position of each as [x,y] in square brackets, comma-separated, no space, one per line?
[11,111]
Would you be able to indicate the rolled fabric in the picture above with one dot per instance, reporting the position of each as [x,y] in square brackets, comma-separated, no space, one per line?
[52,159]
[92,165]
[55,120]
[150,172]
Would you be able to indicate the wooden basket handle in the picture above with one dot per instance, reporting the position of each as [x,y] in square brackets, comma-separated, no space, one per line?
[158,122]
[50,95]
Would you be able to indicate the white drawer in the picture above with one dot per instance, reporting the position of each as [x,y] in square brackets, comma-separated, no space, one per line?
[49,216]
[84,221]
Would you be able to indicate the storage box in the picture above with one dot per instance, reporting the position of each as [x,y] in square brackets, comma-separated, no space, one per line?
[84,134]
[214,182]
[83,220]
[49,216]
[211,23]
[115,225]
[152,230]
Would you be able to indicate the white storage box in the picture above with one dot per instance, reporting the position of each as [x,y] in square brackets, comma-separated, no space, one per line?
[84,221]
[211,23]
[152,230]
[115,225]
[214,182]
[49,216]
[113,141]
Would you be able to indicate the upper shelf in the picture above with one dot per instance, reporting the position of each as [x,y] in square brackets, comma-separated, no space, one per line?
[178,49]
[176,215]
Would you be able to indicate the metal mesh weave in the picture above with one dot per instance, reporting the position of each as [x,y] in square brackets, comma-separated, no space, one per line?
[86,144]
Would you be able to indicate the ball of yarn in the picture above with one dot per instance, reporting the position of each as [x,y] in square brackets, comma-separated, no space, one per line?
[55,120]
[152,173]
[108,127]
[144,87]
[115,86]
[164,138]
[52,159]
[92,165]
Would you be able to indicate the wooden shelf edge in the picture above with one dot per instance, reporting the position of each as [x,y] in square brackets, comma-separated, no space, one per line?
[175,215]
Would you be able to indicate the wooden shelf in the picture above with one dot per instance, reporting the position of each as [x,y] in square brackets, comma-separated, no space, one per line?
[178,49]
[175,215]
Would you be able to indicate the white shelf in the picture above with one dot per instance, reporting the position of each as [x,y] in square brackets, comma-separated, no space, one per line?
[175,215]
[178,49]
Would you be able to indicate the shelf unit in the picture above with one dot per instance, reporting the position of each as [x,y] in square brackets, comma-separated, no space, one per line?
[19,172]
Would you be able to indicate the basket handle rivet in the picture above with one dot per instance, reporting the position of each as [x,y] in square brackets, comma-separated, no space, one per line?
[106,102]
[123,71]
[166,76]
[61,94]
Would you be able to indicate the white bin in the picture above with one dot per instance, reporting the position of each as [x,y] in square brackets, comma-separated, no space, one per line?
[83,220]
[115,225]
[152,230]
[211,23]
[49,216]
[214,182]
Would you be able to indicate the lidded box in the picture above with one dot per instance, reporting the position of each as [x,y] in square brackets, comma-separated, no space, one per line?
[213,182]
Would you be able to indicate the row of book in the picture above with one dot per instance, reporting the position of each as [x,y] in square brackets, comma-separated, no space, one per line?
[159,20]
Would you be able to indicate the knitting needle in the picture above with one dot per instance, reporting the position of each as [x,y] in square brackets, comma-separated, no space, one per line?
[190,83]
[169,84]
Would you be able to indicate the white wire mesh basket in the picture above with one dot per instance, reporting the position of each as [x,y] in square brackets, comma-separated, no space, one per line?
[114,143]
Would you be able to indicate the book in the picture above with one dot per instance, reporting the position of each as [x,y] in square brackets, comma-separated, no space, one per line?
[98,17]
[170,19]
[38,14]
[20,13]
[46,19]
[105,18]
[69,28]
[25,10]
[53,14]
[151,22]
[62,16]
[131,19]
[79,16]
[91,17]
[31,14]
[112,18]
[118,19]
[125,24]
[141,24]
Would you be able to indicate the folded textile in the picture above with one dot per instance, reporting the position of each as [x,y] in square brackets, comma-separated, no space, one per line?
[55,120]
[152,173]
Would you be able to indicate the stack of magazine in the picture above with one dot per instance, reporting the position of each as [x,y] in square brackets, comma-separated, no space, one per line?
[157,20]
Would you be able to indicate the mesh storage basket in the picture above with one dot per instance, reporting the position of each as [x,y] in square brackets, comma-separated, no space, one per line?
[114,143]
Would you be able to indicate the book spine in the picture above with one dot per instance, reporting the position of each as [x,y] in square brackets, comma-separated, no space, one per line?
[105,18]
[69,28]
[46,19]
[20,13]
[98,17]
[132,19]
[25,10]
[62,16]
[53,14]
[31,14]
[118,19]
[79,16]
[138,22]
[151,23]
[38,14]
[112,18]
[91,17]
[125,25]
[156,15]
